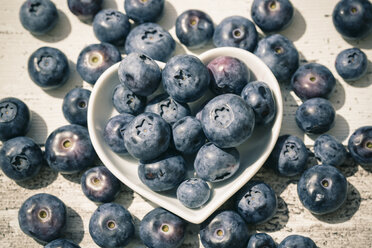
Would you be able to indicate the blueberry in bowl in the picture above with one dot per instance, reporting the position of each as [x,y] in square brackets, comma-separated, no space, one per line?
[353,18]
[75,106]
[142,11]
[360,145]
[313,80]
[111,26]
[126,101]
[38,16]
[272,16]
[236,31]
[193,192]
[42,217]
[150,39]
[15,118]
[194,28]
[21,158]
[48,68]
[351,64]
[94,59]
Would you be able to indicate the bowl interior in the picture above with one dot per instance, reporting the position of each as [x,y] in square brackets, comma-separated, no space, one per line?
[253,153]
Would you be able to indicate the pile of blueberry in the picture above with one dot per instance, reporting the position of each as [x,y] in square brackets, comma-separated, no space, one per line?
[162,131]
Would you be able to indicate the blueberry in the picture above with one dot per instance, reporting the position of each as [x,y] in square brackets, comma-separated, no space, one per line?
[113,133]
[147,136]
[85,10]
[315,116]
[228,75]
[68,149]
[360,145]
[163,173]
[224,229]
[140,74]
[170,110]
[280,55]
[328,150]
[313,80]
[14,118]
[42,217]
[20,158]
[111,226]
[259,96]
[272,16]
[261,240]
[188,135]
[126,101]
[185,78]
[193,192]
[94,59]
[48,68]
[236,31]
[38,16]
[256,202]
[61,243]
[150,39]
[162,229]
[289,156]
[100,185]
[227,120]
[351,64]
[142,11]
[111,26]
[353,18]
[294,241]
[194,28]
[322,189]
[216,164]
[75,106]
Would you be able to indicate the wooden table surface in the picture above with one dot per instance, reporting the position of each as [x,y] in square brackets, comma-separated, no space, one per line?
[316,39]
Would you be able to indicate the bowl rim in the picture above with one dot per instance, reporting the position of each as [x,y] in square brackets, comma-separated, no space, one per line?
[204,57]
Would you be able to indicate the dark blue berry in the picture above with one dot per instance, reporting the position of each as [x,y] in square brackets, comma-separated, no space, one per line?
[140,74]
[113,133]
[328,150]
[142,11]
[111,226]
[111,26]
[294,241]
[272,16]
[85,10]
[48,68]
[100,185]
[14,118]
[360,145]
[61,243]
[351,64]
[126,101]
[38,16]
[162,229]
[194,28]
[75,106]
[42,217]
[68,149]
[193,192]
[315,116]
[94,59]
[228,75]
[236,31]
[322,189]
[185,78]
[20,158]
[150,39]
[313,80]
[289,156]
[261,240]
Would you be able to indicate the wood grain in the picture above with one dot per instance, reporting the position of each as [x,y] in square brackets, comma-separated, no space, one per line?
[316,39]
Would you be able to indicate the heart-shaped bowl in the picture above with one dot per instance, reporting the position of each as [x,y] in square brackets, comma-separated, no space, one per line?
[253,152]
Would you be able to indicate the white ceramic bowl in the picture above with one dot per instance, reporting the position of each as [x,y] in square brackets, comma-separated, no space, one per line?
[253,153]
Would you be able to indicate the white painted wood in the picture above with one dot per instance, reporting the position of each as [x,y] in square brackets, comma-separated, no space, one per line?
[314,36]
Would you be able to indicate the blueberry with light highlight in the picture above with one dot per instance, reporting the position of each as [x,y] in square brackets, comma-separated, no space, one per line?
[85,10]
[261,240]
[293,241]
[114,132]
[142,11]
[193,192]
[75,106]
[351,64]
[328,150]
[162,229]
[94,59]
[360,145]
